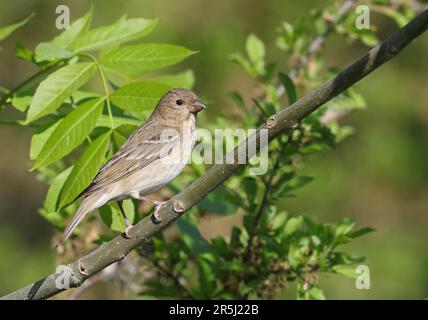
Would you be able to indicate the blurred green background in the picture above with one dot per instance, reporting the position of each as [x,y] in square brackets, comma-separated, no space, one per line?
[378,176]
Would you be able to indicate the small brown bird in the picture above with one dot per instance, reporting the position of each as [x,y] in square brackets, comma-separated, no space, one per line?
[151,158]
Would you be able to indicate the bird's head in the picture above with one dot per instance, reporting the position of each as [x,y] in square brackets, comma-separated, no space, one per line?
[179,104]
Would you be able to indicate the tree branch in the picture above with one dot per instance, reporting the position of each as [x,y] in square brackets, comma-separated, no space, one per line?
[287,119]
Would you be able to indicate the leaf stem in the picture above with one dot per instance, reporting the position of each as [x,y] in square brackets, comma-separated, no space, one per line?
[105,86]
[17,123]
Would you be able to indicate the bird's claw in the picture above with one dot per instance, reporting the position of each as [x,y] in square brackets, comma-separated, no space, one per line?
[155,216]
[128,226]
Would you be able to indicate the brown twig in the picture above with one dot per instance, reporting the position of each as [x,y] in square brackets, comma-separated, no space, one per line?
[317,43]
[265,201]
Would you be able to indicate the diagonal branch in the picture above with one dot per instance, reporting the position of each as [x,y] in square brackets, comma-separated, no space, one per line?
[287,119]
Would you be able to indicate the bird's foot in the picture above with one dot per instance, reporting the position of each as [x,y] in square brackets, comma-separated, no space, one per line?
[158,204]
[155,216]
[128,226]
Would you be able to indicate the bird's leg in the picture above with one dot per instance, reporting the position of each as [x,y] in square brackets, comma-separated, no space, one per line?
[158,204]
[128,225]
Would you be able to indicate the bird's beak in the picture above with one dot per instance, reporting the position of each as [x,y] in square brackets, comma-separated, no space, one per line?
[197,106]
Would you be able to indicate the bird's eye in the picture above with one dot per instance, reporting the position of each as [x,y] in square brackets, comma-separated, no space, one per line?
[179,102]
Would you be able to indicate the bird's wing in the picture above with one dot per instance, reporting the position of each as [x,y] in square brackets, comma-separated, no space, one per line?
[149,143]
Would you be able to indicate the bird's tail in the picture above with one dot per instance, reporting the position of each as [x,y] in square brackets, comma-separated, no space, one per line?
[88,204]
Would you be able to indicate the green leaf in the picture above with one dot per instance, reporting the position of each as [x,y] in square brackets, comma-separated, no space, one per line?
[157,289]
[346,101]
[138,97]
[293,225]
[234,266]
[249,286]
[256,53]
[340,132]
[344,227]
[102,238]
[287,36]
[85,169]
[57,48]
[206,277]
[290,89]
[191,235]
[104,121]
[23,53]
[315,293]
[48,51]
[237,98]
[295,183]
[220,247]
[50,204]
[79,96]
[39,140]
[113,35]
[55,218]
[118,139]
[8,30]
[49,210]
[250,187]
[185,79]
[279,220]
[269,71]
[244,63]
[57,87]
[360,232]
[71,132]
[120,135]
[112,217]
[368,38]
[347,271]
[296,254]
[267,108]
[21,103]
[218,201]
[138,59]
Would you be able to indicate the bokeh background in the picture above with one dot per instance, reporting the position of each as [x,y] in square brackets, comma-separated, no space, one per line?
[378,176]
